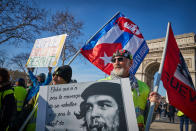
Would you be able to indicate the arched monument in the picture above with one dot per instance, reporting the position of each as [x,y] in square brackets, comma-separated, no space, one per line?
[151,63]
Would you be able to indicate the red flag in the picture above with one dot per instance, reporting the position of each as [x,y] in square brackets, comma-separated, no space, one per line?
[177,81]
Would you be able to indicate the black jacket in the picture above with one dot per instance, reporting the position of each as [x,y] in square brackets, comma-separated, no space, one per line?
[8,107]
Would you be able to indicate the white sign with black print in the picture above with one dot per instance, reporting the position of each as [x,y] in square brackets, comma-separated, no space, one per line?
[89,106]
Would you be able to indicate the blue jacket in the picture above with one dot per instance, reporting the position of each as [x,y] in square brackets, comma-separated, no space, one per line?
[35,89]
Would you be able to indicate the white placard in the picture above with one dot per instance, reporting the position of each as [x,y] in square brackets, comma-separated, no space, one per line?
[59,104]
[46,51]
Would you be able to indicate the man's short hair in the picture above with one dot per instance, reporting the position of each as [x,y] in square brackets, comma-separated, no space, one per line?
[123,53]
[21,82]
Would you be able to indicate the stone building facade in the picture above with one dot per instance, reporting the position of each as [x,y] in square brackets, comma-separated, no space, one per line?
[151,63]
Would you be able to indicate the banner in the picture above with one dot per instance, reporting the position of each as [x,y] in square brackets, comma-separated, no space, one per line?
[106,105]
[177,80]
[118,33]
[46,51]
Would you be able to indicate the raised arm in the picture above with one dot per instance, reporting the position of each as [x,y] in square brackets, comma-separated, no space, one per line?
[49,76]
[32,76]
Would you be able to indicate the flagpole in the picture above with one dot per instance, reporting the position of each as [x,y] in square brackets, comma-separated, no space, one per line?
[78,52]
[152,104]
[28,118]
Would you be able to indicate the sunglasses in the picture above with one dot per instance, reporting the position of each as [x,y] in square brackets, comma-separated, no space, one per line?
[55,74]
[120,59]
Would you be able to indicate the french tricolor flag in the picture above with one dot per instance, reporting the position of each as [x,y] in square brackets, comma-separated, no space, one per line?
[118,33]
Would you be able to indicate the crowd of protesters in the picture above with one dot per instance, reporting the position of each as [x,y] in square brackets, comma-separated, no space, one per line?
[165,110]
[168,113]
[18,100]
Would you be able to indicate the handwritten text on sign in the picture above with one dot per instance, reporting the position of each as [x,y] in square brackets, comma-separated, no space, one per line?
[58,105]
[46,51]
[62,102]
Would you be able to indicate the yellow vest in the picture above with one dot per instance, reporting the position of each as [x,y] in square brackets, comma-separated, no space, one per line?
[139,101]
[20,95]
[4,93]
[180,113]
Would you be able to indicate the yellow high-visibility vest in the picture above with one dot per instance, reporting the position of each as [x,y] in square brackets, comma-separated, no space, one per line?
[139,101]
[4,93]
[20,95]
[180,113]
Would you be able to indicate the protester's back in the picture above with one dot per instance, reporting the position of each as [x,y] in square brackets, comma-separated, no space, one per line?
[23,109]
[7,100]
[20,93]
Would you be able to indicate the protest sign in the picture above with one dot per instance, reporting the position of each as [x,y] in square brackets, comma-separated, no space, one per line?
[46,51]
[104,105]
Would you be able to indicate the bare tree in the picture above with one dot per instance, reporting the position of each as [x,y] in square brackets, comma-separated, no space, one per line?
[19,61]
[3,58]
[22,22]
[64,22]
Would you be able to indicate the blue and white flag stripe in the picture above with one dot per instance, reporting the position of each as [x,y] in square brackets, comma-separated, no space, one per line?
[120,30]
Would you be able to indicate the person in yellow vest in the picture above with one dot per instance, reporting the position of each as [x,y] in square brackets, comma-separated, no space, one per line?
[7,100]
[20,93]
[62,75]
[183,119]
[122,61]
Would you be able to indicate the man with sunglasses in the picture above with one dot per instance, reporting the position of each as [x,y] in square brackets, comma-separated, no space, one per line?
[122,61]
[62,75]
